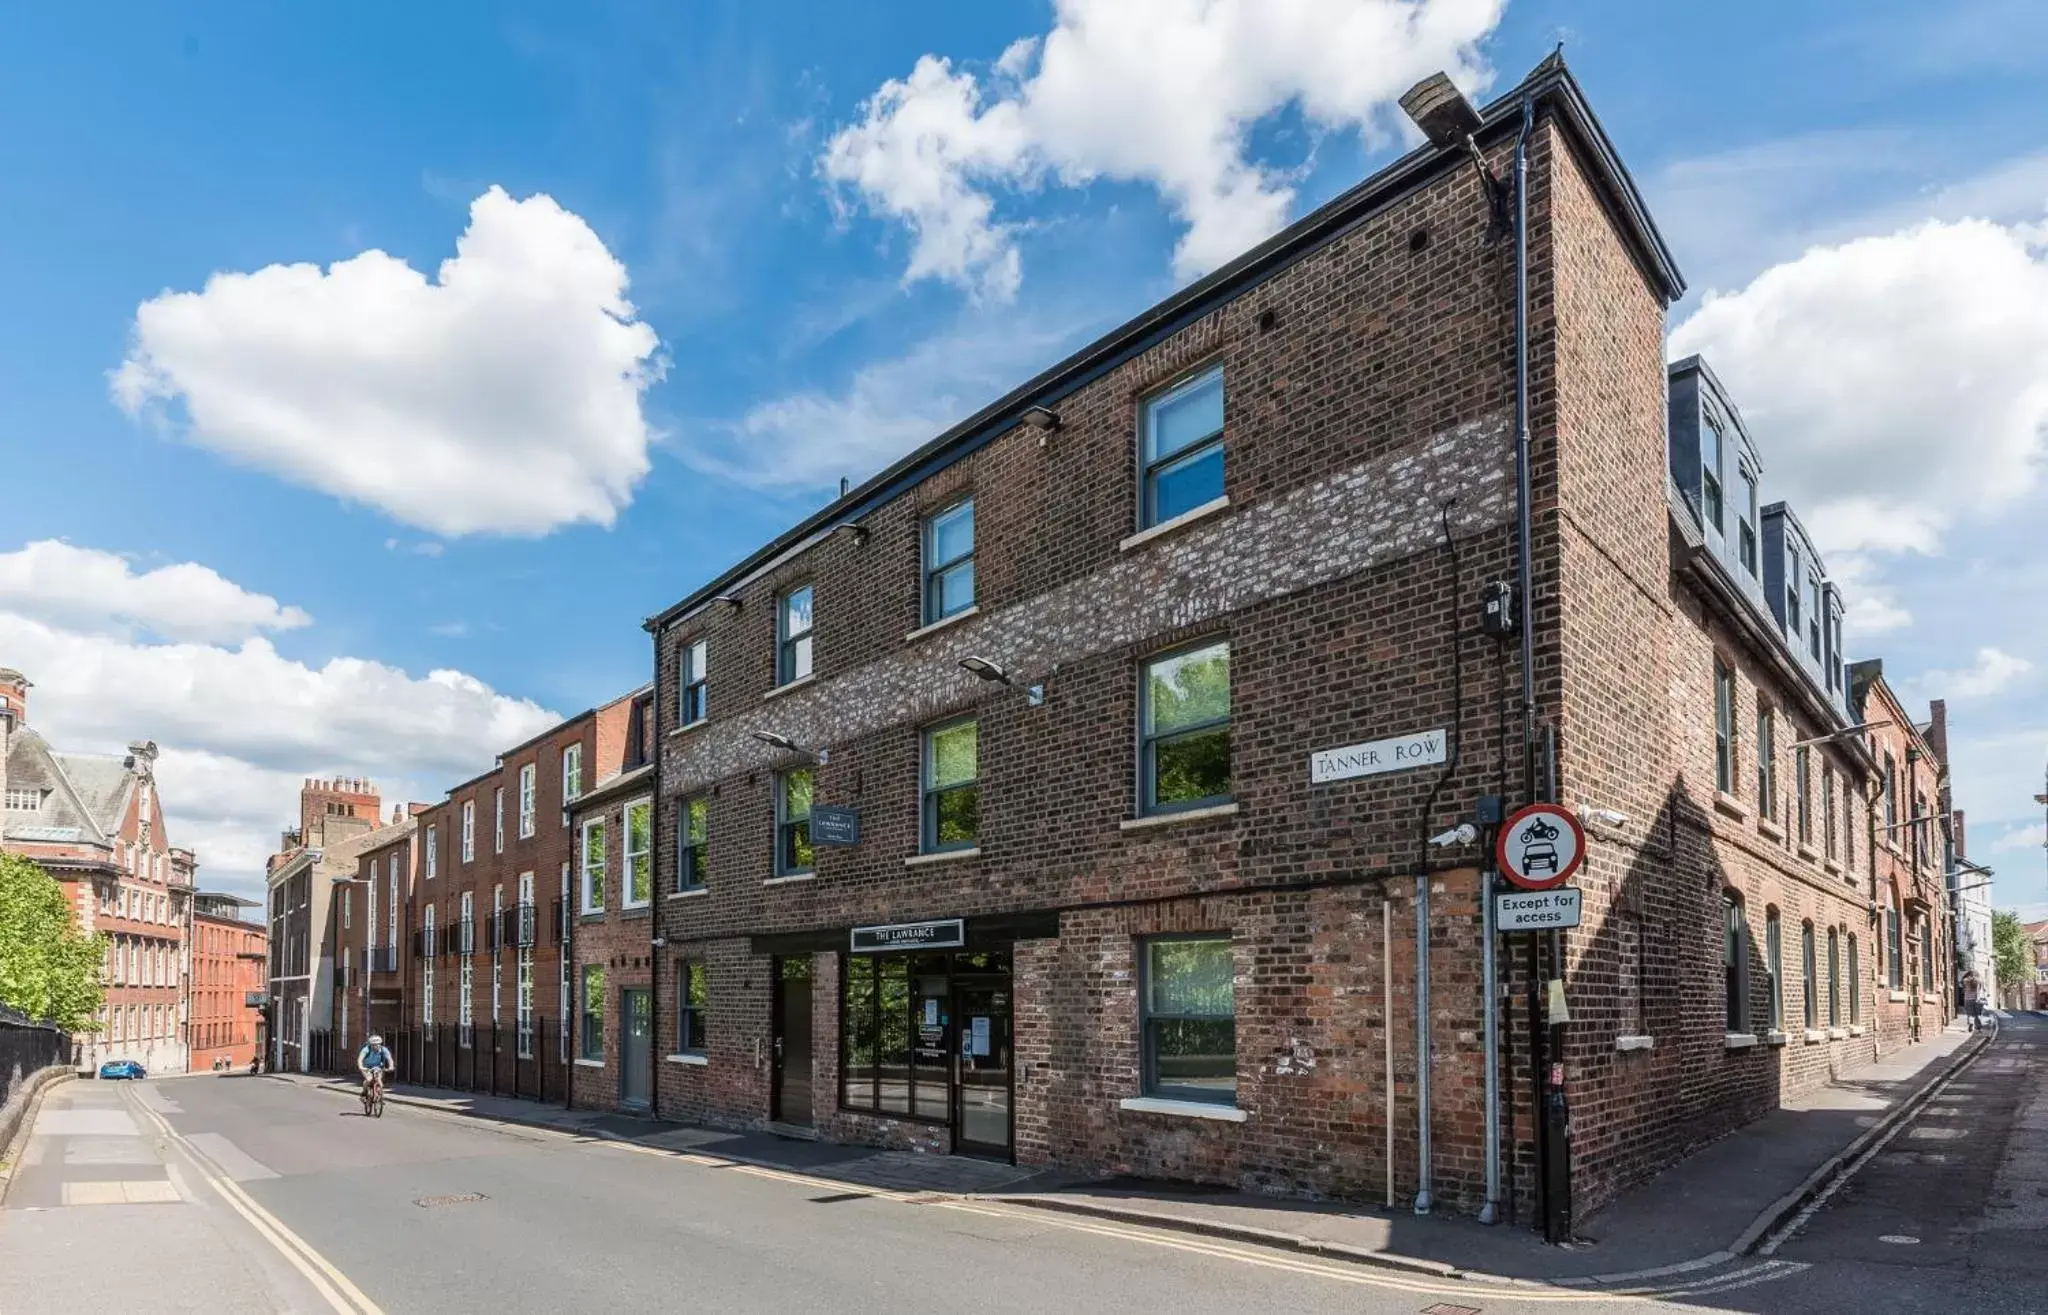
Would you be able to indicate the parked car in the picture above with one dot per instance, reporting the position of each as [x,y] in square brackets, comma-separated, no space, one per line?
[122,1068]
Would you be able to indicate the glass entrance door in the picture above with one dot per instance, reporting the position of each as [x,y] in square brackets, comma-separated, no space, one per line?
[982,1077]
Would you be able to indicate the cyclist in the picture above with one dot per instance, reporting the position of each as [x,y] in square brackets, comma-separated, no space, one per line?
[373,1061]
[1973,1000]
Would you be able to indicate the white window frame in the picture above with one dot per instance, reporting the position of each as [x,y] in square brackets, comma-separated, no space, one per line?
[498,819]
[391,913]
[433,852]
[427,972]
[627,854]
[585,870]
[572,773]
[465,1000]
[693,673]
[562,984]
[528,800]
[497,957]
[522,984]
[469,830]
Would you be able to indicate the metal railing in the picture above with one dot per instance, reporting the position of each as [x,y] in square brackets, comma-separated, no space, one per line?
[501,1059]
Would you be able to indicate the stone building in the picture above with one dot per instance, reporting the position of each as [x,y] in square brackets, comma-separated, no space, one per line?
[338,820]
[96,823]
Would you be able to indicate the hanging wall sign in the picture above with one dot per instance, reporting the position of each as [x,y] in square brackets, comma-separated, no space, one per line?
[1540,846]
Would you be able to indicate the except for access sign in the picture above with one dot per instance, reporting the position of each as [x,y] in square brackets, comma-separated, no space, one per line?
[1540,846]
[1538,910]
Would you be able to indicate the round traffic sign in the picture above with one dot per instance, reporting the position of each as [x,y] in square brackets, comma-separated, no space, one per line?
[1540,846]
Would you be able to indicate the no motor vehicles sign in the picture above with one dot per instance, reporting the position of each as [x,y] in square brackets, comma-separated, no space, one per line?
[1540,846]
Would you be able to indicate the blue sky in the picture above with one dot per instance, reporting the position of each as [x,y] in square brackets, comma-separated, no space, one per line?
[752,284]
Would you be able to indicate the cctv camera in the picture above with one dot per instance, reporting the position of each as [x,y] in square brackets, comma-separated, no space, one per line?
[1462,834]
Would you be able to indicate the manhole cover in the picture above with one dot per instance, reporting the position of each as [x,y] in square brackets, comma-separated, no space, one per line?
[1900,1240]
[1446,1308]
[459,1198]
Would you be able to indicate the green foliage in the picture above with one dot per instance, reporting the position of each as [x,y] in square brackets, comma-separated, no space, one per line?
[48,968]
[2012,954]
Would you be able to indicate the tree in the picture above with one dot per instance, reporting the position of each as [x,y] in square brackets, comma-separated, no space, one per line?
[2012,954]
[49,969]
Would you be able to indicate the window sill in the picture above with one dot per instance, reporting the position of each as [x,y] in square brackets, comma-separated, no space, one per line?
[1729,804]
[695,892]
[1187,1109]
[587,1063]
[1929,998]
[1635,1043]
[1856,1029]
[1831,867]
[791,688]
[942,856]
[635,912]
[1808,852]
[1210,813]
[590,915]
[785,880]
[971,610]
[1838,1034]
[699,1061]
[1775,1038]
[1212,507]
[1770,830]
[1814,1036]
[683,729]
[1738,1040]
[1896,997]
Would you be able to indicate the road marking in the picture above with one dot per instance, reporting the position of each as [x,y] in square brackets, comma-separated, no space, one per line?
[328,1281]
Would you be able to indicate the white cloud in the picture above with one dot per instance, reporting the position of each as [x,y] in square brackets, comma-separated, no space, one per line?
[87,589]
[1161,92]
[2019,838]
[1993,672]
[809,439]
[423,548]
[241,726]
[420,398]
[1895,382]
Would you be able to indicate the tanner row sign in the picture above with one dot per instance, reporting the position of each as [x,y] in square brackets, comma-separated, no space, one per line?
[1394,755]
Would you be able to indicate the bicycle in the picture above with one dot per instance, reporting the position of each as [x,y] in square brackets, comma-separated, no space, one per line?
[373,1095]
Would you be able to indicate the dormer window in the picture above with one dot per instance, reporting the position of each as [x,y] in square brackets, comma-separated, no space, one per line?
[1792,623]
[1746,541]
[1813,616]
[1710,474]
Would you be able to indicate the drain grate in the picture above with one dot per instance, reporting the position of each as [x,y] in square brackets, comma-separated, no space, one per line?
[1446,1308]
[459,1198]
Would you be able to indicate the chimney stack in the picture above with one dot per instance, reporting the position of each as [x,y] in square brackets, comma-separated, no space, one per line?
[14,689]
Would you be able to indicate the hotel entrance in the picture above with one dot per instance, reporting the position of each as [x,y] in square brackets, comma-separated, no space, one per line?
[925,1037]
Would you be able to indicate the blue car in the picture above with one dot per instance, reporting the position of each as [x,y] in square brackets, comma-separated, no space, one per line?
[122,1068]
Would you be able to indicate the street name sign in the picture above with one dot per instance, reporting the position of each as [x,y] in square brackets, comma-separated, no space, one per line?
[1370,759]
[1540,846]
[1538,910]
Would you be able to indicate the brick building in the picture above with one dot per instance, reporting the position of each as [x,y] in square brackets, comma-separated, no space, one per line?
[338,821]
[96,823]
[985,816]
[375,932]
[229,955]
[610,998]
[489,977]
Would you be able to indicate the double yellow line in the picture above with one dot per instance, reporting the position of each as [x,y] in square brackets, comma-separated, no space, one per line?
[332,1285]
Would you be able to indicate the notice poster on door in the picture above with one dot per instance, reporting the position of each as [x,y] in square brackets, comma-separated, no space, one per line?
[931,1013]
[977,1037]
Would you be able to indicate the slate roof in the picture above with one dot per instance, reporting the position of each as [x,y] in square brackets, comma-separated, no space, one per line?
[84,794]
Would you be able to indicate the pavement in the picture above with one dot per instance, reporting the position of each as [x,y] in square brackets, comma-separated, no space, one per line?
[1709,1209]
[244,1194]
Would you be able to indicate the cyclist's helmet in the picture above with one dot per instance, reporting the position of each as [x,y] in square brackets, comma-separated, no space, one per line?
[376,1040]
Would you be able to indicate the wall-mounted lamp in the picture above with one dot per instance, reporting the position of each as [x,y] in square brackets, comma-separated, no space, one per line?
[1447,119]
[1042,418]
[859,533]
[981,667]
[787,745]
[730,600]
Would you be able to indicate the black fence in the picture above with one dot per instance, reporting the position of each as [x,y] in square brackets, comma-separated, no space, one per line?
[26,1049]
[497,1061]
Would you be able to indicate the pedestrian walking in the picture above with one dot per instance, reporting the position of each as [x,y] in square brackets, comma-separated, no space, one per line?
[1973,1000]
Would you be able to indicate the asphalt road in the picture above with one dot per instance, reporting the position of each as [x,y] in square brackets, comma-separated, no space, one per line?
[271,1196]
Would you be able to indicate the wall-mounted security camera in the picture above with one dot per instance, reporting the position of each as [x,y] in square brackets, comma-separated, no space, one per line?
[1462,834]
